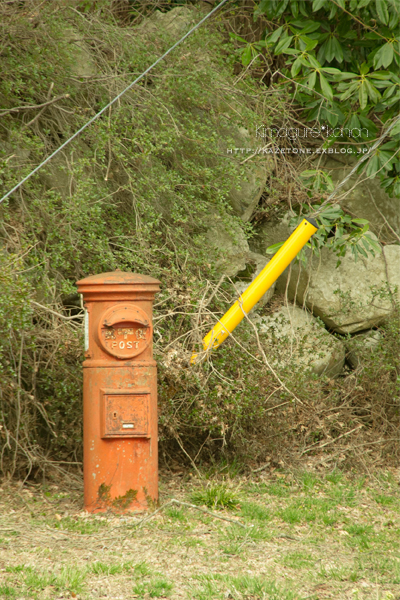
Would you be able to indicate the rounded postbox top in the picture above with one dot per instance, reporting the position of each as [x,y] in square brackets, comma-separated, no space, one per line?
[118,284]
[118,277]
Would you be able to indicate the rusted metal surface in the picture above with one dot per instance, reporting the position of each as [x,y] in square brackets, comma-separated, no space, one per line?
[119,393]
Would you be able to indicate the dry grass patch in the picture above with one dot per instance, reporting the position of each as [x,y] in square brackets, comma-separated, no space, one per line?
[288,536]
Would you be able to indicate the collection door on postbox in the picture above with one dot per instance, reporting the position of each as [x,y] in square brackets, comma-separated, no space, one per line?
[124,332]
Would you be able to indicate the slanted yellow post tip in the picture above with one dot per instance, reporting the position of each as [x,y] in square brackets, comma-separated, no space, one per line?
[259,286]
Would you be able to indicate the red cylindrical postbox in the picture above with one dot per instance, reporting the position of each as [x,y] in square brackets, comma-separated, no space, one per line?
[120,458]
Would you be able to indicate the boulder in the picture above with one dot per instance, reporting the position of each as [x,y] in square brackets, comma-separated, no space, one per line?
[271,232]
[82,63]
[295,338]
[175,22]
[228,249]
[355,296]
[227,244]
[367,200]
[360,346]
[245,199]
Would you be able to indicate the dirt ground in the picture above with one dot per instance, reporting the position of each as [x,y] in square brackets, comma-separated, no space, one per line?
[272,535]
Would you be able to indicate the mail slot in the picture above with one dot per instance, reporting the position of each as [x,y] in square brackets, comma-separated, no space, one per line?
[124,413]
[120,463]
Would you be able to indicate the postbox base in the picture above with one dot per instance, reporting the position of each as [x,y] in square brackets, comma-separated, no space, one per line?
[120,438]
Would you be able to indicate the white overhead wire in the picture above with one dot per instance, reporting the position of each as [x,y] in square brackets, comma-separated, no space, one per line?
[97,115]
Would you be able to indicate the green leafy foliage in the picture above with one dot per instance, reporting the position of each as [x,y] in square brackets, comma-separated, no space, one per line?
[336,230]
[343,58]
[133,193]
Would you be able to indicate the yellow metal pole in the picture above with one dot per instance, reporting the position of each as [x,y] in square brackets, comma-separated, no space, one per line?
[259,286]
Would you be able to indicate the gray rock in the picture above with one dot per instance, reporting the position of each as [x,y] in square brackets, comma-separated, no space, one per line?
[245,200]
[56,177]
[175,22]
[368,200]
[361,345]
[271,232]
[296,338]
[82,64]
[227,244]
[353,297]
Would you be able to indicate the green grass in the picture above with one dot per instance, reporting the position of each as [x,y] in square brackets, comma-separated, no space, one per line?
[298,560]
[292,535]
[215,587]
[255,512]
[216,496]
[7,591]
[156,587]
[85,526]
[70,578]
[100,568]
[178,514]
[385,500]
[340,573]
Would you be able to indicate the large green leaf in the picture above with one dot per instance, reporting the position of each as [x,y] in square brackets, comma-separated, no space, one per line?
[363,94]
[311,80]
[274,37]
[342,76]
[382,10]
[246,56]
[329,49]
[296,66]
[349,92]
[373,166]
[396,129]
[372,92]
[306,26]
[314,62]
[317,4]
[283,44]
[325,87]
[384,56]
[337,50]
[281,8]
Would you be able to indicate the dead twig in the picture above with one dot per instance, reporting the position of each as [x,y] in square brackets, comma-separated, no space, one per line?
[316,447]
[44,104]
[53,312]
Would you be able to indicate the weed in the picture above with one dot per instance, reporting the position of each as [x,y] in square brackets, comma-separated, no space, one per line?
[255,511]
[340,573]
[292,515]
[239,588]
[309,481]
[216,496]
[298,560]
[335,477]
[82,526]
[99,568]
[178,514]
[281,490]
[156,587]
[385,500]
[141,568]
[7,591]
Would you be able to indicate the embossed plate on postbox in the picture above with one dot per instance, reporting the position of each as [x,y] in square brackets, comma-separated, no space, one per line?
[124,331]
[125,413]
